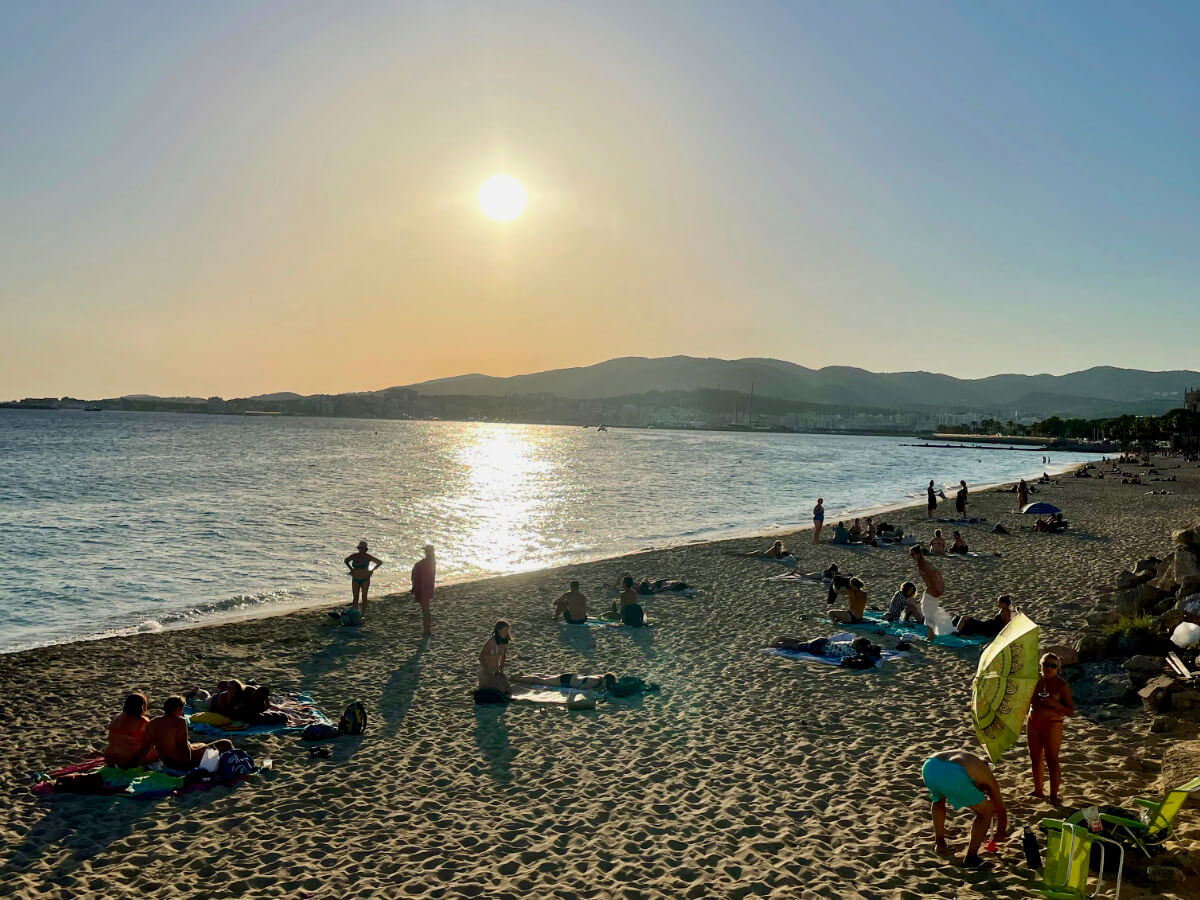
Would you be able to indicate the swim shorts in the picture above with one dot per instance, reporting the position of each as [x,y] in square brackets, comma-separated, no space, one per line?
[951,781]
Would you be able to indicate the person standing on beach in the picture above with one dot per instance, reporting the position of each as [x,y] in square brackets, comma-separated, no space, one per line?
[362,566]
[818,519]
[931,500]
[960,500]
[1022,495]
[1050,704]
[423,574]
[964,781]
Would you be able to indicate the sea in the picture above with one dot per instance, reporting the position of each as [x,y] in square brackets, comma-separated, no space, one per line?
[121,522]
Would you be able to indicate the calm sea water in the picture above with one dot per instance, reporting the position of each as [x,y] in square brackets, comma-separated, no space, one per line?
[117,522]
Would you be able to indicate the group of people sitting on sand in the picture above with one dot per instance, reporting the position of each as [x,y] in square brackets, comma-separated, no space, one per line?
[571,607]
[867,531]
[134,739]
[937,544]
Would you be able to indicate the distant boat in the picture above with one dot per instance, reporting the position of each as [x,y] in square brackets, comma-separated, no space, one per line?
[602,428]
[93,409]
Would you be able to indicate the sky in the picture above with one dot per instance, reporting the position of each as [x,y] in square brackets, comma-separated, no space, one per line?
[231,198]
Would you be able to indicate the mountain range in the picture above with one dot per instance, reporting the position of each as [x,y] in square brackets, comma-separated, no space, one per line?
[1095,392]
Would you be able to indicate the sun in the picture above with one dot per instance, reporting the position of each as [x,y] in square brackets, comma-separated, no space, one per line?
[502,198]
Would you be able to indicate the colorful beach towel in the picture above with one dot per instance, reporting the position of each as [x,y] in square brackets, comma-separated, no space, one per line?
[874,624]
[300,709]
[138,783]
[888,656]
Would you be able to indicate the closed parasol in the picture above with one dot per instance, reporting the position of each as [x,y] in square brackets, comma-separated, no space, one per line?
[1040,509]
[1003,685]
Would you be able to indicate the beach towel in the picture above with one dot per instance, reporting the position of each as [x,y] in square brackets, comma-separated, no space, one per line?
[138,783]
[911,631]
[797,578]
[554,695]
[834,659]
[299,709]
[598,623]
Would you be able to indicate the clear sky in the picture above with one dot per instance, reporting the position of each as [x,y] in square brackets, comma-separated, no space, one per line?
[235,198]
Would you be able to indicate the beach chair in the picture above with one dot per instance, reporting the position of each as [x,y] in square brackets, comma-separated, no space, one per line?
[1068,858]
[1180,668]
[1159,818]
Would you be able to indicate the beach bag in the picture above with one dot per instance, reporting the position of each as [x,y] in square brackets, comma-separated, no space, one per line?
[354,719]
[318,731]
[350,616]
[235,764]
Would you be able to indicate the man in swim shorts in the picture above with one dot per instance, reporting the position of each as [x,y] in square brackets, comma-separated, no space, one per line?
[571,606]
[168,736]
[964,781]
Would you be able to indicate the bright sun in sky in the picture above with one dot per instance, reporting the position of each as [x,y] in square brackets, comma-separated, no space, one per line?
[502,198]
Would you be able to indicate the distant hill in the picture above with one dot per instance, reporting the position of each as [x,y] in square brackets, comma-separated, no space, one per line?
[1100,391]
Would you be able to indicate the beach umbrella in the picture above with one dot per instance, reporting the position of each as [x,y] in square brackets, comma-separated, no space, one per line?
[1040,509]
[1003,685]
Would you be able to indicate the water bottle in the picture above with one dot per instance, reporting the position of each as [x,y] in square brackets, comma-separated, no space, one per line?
[1033,852]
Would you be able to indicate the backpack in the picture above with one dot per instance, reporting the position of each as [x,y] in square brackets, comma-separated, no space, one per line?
[235,764]
[350,616]
[354,719]
[318,731]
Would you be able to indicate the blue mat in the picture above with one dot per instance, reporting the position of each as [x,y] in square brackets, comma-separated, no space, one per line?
[874,624]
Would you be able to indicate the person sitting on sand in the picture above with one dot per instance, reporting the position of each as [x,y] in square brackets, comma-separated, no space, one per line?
[841,534]
[964,781]
[856,599]
[987,627]
[167,736]
[362,566]
[869,532]
[904,605]
[938,544]
[571,606]
[1045,479]
[855,532]
[958,545]
[628,607]
[492,658]
[828,573]
[1054,524]
[127,734]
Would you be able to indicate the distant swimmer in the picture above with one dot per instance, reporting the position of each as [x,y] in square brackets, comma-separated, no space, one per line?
[362,566]
[571,606]
[423,574]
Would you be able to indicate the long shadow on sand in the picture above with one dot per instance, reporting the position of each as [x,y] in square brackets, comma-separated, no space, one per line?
[70,823]
[398,692]
[578,638]
[491,736]
[344,644]
[644,638]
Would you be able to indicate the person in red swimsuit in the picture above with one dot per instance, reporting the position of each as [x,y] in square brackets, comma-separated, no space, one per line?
[127,734]
[1051,703]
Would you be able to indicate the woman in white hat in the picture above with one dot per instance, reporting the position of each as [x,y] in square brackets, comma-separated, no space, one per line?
[362,566]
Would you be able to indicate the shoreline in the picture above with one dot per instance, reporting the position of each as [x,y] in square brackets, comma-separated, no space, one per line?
[327,602]
[691,776]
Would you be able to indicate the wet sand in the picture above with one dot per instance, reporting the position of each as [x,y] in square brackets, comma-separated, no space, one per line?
[749,775]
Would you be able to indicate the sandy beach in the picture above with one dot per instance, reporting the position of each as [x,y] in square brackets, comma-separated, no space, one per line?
[748,775]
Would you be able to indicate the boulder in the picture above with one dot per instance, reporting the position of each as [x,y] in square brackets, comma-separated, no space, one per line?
[1149,564]
[1184,700]
[1156,693]
[1187,571]
[1189,605]
[1091,646]
[1067,656]
[1144,665]
[1184,537]
[1114,688]
[1147,596]
[1128,580]
[1163,725]
[1171,619]
[1126,604]
[1102,617]
[1180,763]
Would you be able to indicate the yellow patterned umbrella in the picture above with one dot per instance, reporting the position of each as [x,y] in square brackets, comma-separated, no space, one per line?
[1003,685]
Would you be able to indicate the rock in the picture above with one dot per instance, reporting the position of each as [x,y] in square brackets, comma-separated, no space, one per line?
[1184,537]
[1114,688]
[1102,617]
[1188,860]
[1183,700]
[1067,656]
[1149,564]
[1163,725]
[1091,646]
[1147,665]
[1189,605]
[1128,580]
[1148,595]
[1126,604]
[1156,693]
[1187,570]
[1171,619]
[1180,763]
[1163,874]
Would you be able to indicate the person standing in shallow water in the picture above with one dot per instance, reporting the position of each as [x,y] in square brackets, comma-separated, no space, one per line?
[423,574]
[818,519]
[931,500]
